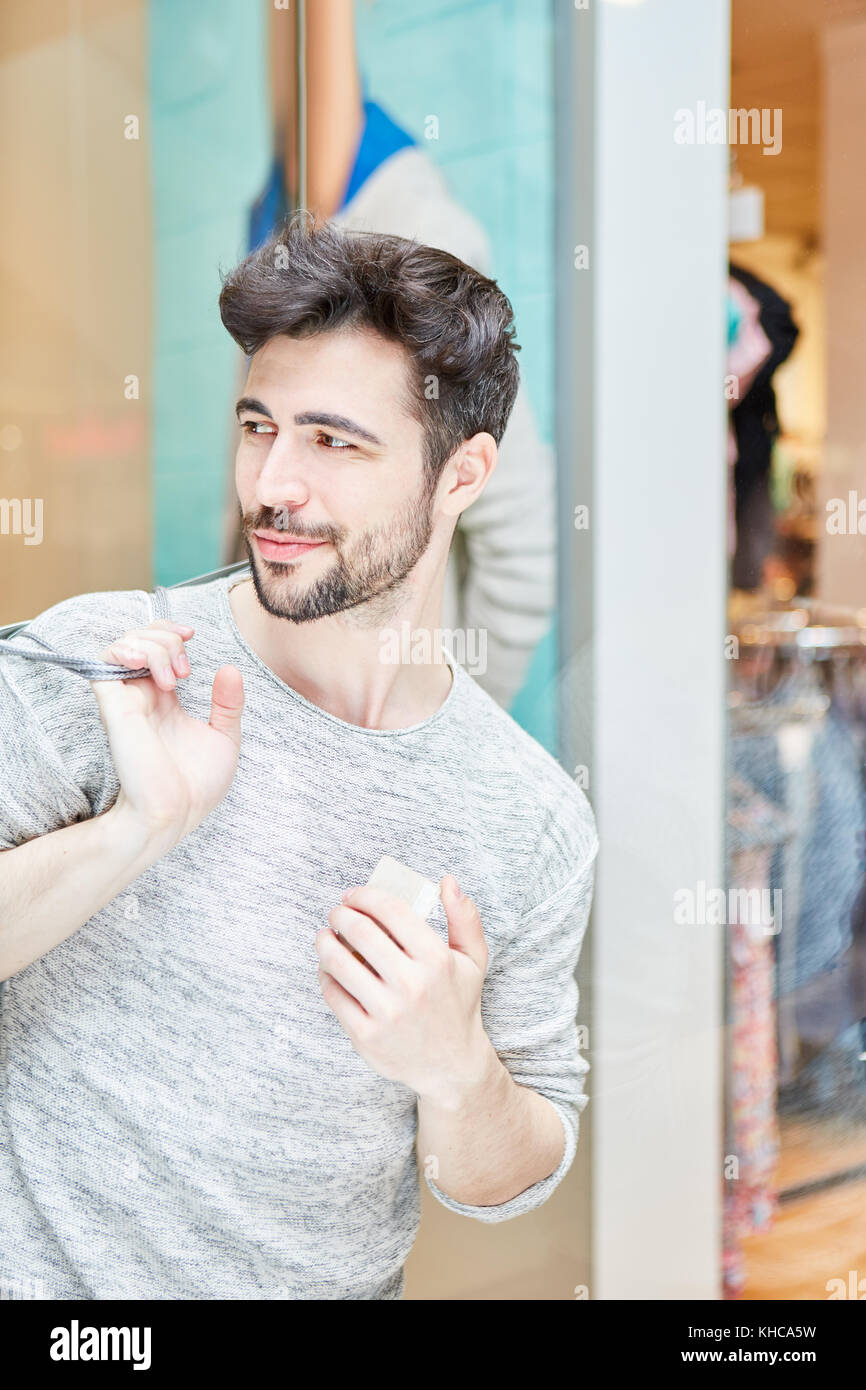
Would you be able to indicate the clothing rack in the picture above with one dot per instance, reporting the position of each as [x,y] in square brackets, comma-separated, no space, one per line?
[794,662]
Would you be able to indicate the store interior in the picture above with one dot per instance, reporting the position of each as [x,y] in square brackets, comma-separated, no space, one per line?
[118,385]
[796,991]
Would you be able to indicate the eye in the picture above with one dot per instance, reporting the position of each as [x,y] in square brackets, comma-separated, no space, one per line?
[336,444]
[257,427]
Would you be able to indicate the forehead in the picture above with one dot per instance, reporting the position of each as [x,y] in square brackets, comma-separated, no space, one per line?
[342,368]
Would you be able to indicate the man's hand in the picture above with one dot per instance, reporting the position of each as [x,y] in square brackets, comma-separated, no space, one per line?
[412,1007]
[173,769]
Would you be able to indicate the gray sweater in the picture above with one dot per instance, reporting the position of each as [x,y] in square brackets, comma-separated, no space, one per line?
[181,1114]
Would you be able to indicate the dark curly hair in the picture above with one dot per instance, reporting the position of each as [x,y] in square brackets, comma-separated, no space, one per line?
[456,325]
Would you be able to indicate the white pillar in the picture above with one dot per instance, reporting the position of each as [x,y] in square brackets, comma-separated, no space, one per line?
[641,439]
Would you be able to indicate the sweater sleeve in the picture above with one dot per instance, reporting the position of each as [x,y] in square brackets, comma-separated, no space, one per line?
[529,1010]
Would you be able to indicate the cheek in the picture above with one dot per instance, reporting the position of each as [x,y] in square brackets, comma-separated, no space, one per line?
[350,500]
[247,467]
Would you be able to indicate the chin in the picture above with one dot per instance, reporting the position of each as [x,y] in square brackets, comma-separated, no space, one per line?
[282,598]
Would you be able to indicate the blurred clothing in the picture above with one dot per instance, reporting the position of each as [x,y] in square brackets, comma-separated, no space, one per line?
[380,138]
[748,349]
[756,426]
[755,829]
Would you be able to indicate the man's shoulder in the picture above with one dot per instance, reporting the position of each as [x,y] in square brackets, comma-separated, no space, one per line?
[82,627]
[507,743]
[92,621]
[98,617]
[551,804]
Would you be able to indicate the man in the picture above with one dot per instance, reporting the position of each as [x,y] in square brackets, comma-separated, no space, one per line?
[367,173]
[218,1045]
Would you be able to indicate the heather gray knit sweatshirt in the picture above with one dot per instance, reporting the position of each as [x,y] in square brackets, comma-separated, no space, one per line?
[181,1114]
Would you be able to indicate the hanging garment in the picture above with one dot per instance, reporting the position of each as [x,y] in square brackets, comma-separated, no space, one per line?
[811,765]
[756,426]
[748,349]
[755,828]
[830,934]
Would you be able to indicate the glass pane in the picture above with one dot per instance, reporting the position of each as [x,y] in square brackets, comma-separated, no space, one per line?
[796,1137]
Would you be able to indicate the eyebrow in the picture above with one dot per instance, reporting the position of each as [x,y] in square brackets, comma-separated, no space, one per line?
[313,417]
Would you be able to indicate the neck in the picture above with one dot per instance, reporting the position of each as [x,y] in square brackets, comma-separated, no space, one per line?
[378,665]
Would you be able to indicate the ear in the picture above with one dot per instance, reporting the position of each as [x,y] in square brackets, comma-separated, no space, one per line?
[466,473]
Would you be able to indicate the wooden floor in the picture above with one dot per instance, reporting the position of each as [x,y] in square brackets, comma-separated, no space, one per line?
[822,1235]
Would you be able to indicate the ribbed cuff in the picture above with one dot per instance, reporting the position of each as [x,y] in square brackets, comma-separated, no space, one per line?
[533,1196]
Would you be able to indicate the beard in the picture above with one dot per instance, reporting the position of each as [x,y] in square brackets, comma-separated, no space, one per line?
[376,562]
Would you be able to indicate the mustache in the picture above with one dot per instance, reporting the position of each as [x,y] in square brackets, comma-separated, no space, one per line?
[281,519]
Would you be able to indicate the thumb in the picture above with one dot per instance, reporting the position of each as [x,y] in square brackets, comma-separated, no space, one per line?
[227,702]
[465,932]
[111,699]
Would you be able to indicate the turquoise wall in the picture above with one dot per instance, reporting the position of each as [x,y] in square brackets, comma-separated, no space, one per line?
[211,147]
[483,67]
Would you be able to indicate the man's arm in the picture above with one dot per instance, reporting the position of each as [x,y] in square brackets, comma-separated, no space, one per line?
[335,108]
[496,1071]
[491,1140]
[172,771]
[51,886]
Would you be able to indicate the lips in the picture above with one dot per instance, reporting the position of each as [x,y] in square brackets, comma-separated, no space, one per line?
[285,548]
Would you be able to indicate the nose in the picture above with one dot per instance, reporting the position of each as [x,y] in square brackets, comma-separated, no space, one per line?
[281,481]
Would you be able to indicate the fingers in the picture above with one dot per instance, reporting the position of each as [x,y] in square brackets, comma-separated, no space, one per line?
[465,929]
[159,647]
[227,703]
[338,961]
[372,942]
[416,937]
[157,656]
[109,698]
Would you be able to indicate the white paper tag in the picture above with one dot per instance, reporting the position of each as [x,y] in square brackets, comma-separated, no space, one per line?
[421,893]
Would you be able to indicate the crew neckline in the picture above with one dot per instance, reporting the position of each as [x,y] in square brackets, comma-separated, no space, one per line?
[240,577]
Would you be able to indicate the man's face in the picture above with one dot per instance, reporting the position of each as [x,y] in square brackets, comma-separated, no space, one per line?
[334,500]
